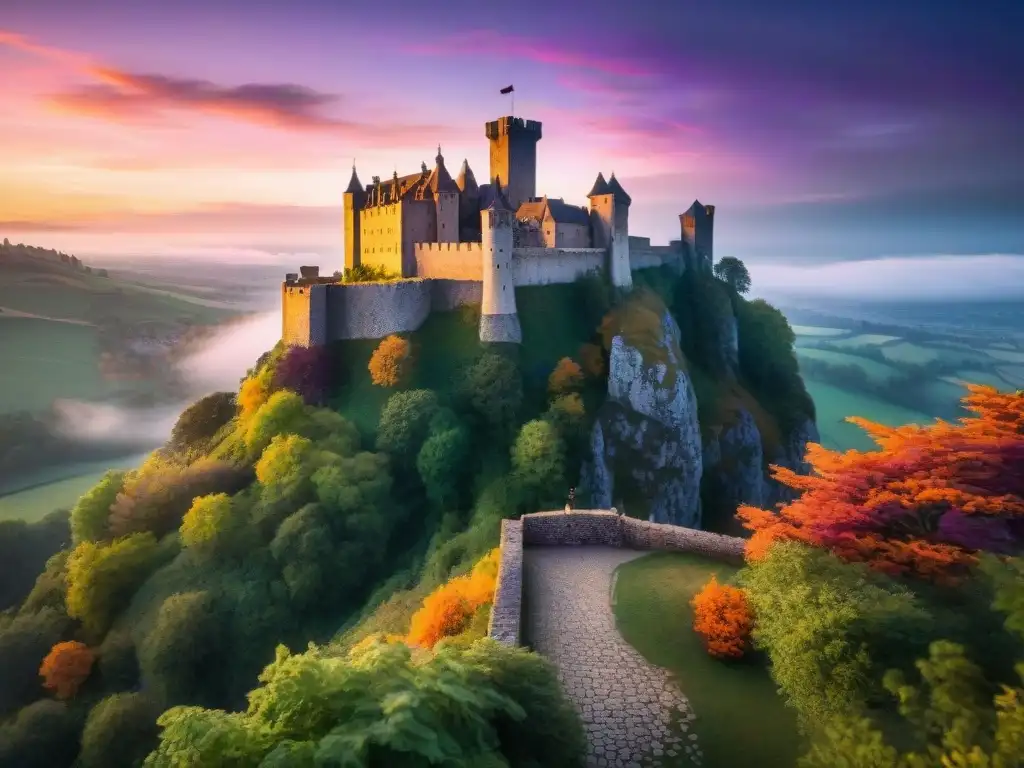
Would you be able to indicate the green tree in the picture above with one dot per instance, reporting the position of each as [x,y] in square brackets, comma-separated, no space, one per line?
[283,413]
[90,515]
[198,423]
[103,577]
[485,706]
[441,464]
[119,732]
[304,549]
[405,423]
[830,628]
[284,468]
[180,658]
[25,640]
[734,272]
[211,525]
[493,389]
[538,457]
[42,735]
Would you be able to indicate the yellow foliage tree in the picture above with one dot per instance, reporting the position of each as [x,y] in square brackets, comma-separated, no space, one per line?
[254,392]
[448,610]
[566,377]
[391,362]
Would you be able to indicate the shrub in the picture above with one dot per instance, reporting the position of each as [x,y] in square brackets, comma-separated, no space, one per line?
[89,517]
[391,362]
[42,735]
[66,667]
[405,423]
[566,377]
[305,371]
[722,617]
[449,609]
[538,456]
[119,732]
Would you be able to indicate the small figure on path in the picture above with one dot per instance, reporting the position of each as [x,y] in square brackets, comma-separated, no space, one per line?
[570,505]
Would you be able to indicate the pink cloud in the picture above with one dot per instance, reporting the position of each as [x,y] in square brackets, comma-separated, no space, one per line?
[492,43]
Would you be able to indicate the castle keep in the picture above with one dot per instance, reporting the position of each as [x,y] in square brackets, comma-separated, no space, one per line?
[455,242]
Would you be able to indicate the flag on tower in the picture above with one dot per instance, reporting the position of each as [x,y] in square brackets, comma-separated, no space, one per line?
[509,89]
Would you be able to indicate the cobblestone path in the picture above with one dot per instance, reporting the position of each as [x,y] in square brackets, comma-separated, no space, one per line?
[628,705]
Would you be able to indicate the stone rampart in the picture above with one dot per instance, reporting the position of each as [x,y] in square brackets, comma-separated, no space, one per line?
[446,295]
[549,266]
[508,594]
[449,261]
[582,527]
[644,257]
[376,310]
[304,314]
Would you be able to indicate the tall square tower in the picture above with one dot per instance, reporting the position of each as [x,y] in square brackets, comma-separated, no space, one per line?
[514,156]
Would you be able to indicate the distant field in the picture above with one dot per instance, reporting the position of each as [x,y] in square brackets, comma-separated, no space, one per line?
[834,404]
[1008,356]
[979,377]
[44,360]
[864,340]
[875,370]
[814,330]
[1014,374]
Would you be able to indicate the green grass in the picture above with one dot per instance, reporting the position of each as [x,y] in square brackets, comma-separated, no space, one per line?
[44,360]
[875,370]
[554,325]
[741,719]
[814,330]
[834,405]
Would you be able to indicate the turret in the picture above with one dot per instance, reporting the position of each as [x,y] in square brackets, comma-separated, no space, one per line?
[446,198]
[609,223]
[355,200]
[499,320]
[698,229]
[514,156]
[466,181]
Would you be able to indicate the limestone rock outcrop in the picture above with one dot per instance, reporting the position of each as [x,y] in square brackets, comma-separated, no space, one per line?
[646,438]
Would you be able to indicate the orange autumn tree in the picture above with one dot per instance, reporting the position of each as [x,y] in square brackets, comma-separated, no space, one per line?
[391,362]
[566,377]
[922,505]
[723,619]
[449,609]
[66,667]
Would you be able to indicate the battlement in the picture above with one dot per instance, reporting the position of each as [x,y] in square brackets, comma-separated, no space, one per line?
[506,126]
[449,261]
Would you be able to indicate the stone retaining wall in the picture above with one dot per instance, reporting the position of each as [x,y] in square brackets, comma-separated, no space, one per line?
[582,527]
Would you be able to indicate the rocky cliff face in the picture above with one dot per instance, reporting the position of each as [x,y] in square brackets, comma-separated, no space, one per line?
[646,443]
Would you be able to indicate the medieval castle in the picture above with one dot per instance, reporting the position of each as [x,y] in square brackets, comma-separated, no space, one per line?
[454,242]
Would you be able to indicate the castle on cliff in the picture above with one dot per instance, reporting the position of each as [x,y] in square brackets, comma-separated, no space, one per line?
[455,242]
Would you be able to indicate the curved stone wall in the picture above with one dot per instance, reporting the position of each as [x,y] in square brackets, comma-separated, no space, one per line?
[582,527]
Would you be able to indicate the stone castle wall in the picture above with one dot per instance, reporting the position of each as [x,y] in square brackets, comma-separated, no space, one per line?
[449,261]
[549,266]
[304,314]
[446,295]
[582,527]
[376,310]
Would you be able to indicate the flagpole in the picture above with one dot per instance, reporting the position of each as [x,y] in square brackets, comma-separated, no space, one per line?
[513,95]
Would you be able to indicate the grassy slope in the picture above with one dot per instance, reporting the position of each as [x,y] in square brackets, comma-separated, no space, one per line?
[741,719]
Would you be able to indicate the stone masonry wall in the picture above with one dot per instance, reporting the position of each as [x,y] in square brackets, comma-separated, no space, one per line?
[508,595]
[449,261]
[643,257]
[581,527]
[376,310]
[446,295]
[547,266]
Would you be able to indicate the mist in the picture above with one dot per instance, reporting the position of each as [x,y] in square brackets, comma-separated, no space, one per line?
[914,278]
[216,366]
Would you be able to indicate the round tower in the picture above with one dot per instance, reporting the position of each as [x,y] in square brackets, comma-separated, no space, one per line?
[499,320]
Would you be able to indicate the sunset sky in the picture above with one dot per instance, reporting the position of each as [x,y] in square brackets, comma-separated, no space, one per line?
[822,130]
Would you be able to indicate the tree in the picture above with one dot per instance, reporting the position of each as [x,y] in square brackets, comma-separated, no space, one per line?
[923,505]
[566,377]
[304,549]
[284,468]
[379,705]
[198,423]
[448,610]
[493,389]
[119,732]
[283,413]
[831,628]
[180,657]
[66,667]
[25,641]
[723,619]
[441,464]
[305,371]
[391,362]
[42,735]
[89,517]
[405,423]
[538,456]
[733,272]
[103,577]
[210,524]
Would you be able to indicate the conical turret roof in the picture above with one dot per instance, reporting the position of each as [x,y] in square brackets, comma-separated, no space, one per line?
[492,198]
[440,180]
[600,186]
[466,180]
[354,184]
[616,189]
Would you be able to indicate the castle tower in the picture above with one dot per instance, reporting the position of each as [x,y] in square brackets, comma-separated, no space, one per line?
[499,320]
[355,200]
[698,229]
[514,156]
[446,198]
[609,218]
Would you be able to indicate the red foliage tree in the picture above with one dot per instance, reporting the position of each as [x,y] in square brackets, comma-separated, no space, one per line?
[723,619]
[923,504]
[66,667]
